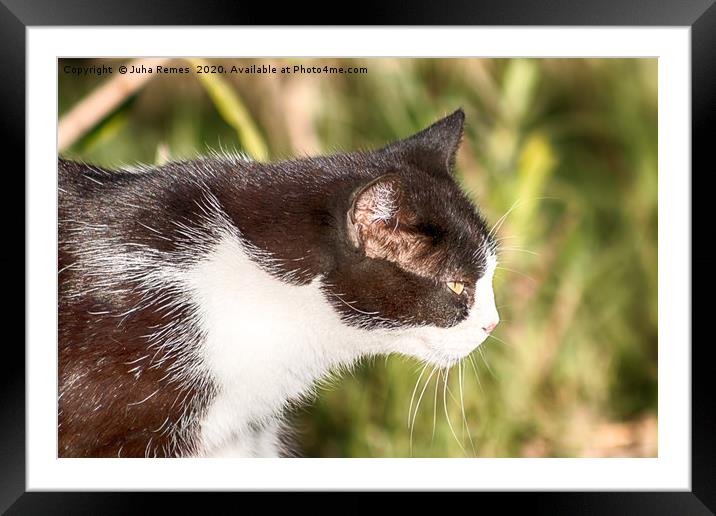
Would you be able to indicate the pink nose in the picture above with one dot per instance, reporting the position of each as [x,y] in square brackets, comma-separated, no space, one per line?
[489,327]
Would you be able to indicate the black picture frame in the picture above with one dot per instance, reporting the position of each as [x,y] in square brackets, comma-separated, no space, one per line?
[700,15]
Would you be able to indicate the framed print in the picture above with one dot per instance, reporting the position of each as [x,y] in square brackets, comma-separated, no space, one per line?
[415,258]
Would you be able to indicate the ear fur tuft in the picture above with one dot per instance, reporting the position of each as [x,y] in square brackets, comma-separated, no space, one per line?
[375,206]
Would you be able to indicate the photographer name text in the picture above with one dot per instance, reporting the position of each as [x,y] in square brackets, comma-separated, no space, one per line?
[255,69]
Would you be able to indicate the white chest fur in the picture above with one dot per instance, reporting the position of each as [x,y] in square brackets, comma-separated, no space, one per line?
[266,344]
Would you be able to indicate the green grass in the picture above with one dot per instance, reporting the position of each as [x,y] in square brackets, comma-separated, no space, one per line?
[567,146]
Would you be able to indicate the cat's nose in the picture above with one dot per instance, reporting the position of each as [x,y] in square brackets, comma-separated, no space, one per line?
[489,327]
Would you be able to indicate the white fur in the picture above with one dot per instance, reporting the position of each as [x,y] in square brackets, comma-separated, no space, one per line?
[268,342]
[261,442]
[384,202]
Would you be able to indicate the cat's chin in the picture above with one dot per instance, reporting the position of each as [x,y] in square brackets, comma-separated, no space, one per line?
[442,355]
[448,358]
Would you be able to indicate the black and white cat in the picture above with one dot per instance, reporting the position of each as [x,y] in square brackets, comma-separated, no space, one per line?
[198,300]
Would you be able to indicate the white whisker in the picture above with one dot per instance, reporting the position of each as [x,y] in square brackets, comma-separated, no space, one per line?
[412,426]
[486,362]
[462,405]
[501,220]
[532,280]
[435,405]
[474,368]
[447,415]
[412,398]
[517,249]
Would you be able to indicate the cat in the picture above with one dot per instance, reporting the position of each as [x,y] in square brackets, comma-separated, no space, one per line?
[200,300]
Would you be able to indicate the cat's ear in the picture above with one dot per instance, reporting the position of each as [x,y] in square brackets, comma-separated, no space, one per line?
[377,211]
[434,148]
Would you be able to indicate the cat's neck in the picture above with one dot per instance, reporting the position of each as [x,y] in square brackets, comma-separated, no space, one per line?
[266,341]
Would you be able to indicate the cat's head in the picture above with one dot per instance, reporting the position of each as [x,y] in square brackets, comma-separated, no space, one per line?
[417,259]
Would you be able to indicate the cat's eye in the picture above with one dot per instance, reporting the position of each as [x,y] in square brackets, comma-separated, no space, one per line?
[456,286]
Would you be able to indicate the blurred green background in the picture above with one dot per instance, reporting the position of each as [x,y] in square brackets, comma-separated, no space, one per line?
[567,146]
